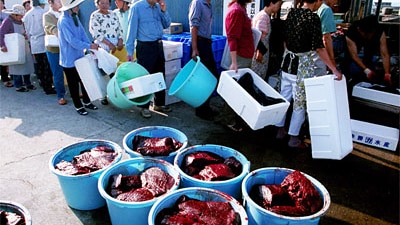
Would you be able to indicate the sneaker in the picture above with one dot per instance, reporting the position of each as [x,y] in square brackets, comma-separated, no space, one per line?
[22,89]
[31,87]
[162,108]
[82,111]
[90,106]
[145,113]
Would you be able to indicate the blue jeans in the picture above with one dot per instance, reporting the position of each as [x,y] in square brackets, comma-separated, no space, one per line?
[18,80]
[58,73]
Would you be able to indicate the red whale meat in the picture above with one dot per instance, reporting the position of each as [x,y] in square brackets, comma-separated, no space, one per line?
[150,146]
[151,183]
[209,166]
[88,161]
[187,211]
[10,218]
[295,196]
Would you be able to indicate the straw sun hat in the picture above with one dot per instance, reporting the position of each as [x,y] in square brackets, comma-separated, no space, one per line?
[16,9]
[69,4]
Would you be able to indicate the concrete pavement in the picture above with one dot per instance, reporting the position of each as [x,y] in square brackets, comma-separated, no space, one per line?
[364,186]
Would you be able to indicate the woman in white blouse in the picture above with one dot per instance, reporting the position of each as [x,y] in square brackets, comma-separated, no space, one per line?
[105,27]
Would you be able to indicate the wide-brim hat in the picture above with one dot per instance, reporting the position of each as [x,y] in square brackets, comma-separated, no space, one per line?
[69,4]
[16,9]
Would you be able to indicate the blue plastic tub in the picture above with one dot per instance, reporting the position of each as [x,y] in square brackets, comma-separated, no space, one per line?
[231,187]
[126,71]
[127,213]
[154,132]
[80,191]
[274,175]
[200,193]
[194,83]
[14,207]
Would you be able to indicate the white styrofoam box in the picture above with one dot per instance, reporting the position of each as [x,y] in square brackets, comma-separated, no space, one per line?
[329,117]
[173,66]
[174,28]
[170,99]
[144,85]
[93,80]
[362,90]
[375,135]
[15,44]
[172,50]
[255,115]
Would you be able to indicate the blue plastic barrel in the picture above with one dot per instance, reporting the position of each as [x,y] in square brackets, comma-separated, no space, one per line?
[128,213]
[80,191]
[231,187]
[274,175]
[199,193]
[14,207]
[194,83]
[154,132]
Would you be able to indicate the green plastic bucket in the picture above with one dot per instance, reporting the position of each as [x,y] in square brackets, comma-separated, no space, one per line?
[194,83]
[128,213]
[80,191]
[126,71]
[231,186]
[274,175]
[199,193]
[154,132]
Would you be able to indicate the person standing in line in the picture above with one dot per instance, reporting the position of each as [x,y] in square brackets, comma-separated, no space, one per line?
[262,22]
[105,27]
[239,34]
[50,19]
[27,5]
[3,69]
[328,27]
[33,21]
[73,43]
[106,30]
[21,72]
[302,38]
[122,12]
[200,21]
[241,45]
[147,20]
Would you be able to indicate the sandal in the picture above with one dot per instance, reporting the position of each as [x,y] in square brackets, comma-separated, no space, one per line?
[8,84]
[235,127]
[22,89]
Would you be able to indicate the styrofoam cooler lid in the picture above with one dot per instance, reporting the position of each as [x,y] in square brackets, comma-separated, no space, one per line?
[144,85]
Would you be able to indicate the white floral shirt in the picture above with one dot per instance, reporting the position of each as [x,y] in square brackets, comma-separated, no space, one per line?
[105,26]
